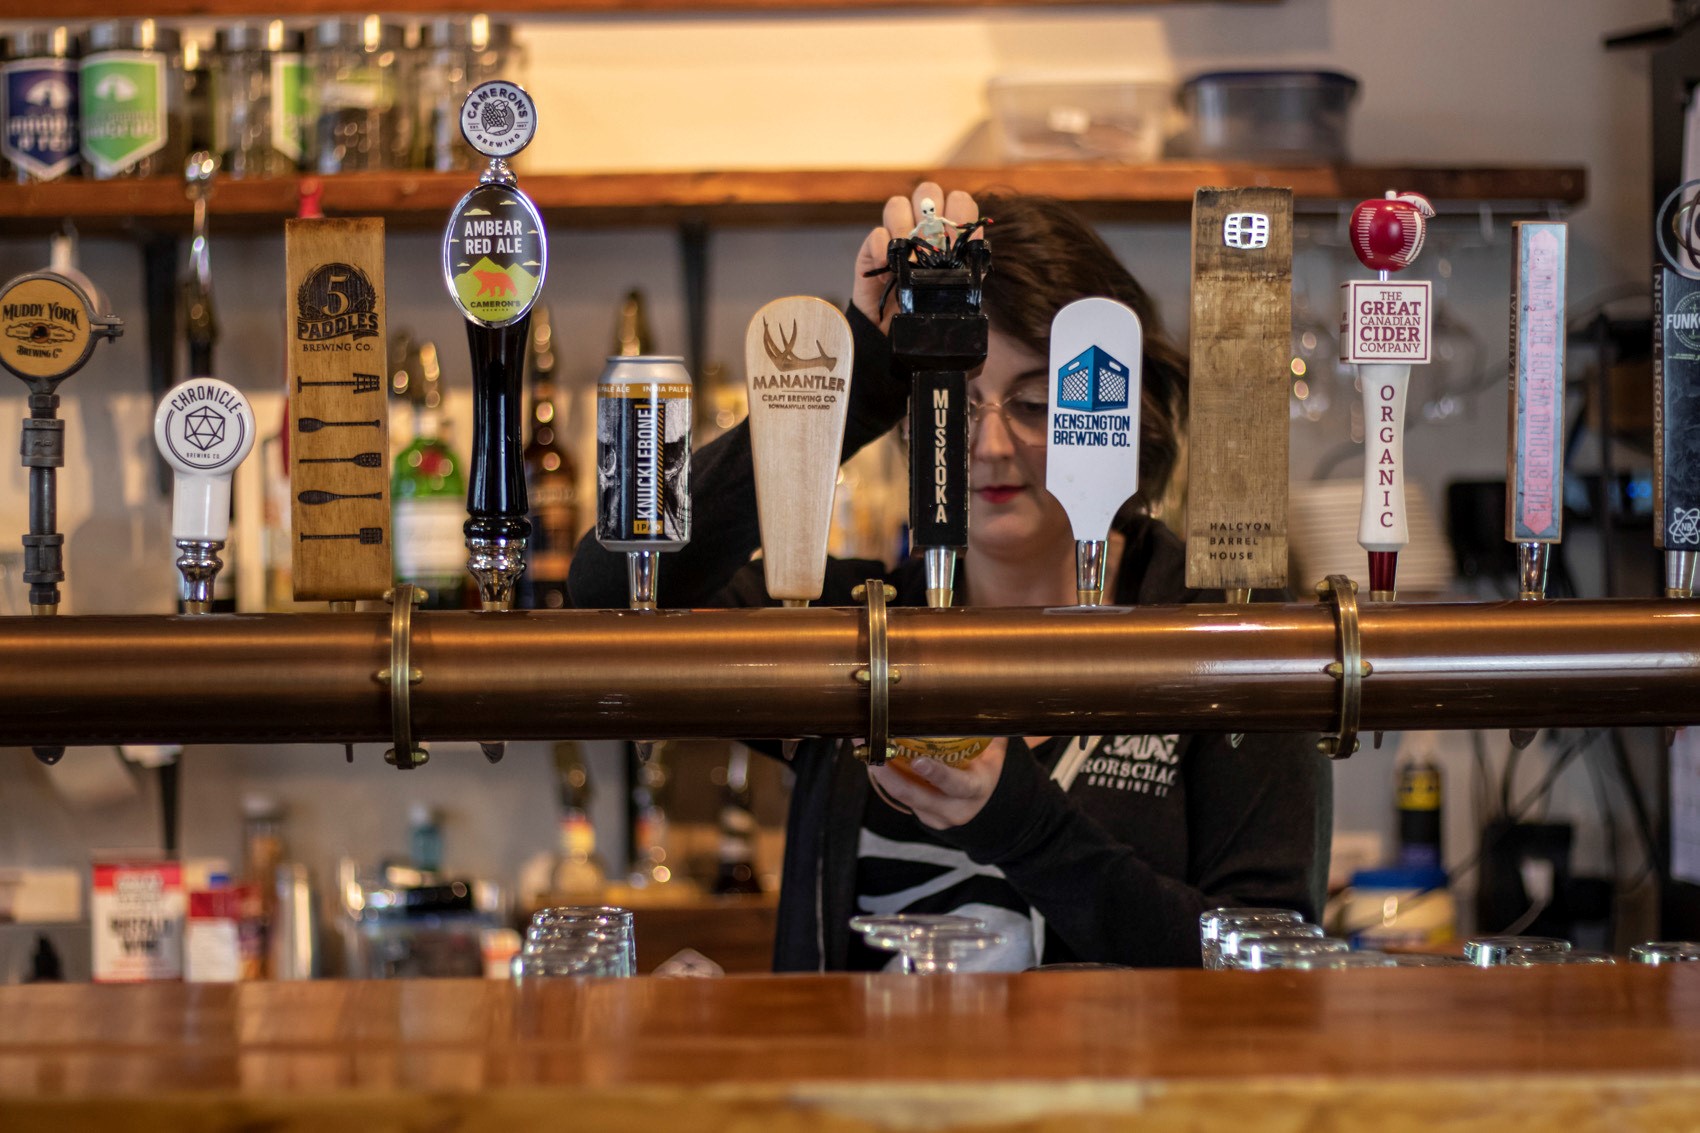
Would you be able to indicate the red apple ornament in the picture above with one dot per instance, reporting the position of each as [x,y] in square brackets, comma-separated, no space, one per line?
[1387,234]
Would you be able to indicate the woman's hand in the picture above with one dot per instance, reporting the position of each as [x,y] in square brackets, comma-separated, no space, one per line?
[943,796]
[900,216]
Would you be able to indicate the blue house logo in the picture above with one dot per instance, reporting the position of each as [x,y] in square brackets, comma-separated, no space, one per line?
[1092,381]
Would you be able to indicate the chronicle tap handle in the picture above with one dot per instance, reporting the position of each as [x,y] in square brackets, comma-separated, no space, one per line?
[494,258]
[204,429]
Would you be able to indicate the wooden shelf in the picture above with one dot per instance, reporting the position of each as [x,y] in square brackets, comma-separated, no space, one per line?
[1106,192]
[237,9]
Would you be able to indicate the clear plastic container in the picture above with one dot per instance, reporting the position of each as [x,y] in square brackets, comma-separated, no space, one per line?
[361,72]
[259,110]
[1062,117]
[1292,117]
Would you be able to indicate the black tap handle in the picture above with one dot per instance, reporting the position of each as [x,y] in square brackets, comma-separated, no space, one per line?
[496,489]
[1676,465]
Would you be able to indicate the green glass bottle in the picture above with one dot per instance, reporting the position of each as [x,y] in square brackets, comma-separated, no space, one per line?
[428,490]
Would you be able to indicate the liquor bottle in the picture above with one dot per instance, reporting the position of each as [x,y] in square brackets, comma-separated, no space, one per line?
[578,869]
[631,328]
[428,493]
[650,864]
[736,872]
[551,480]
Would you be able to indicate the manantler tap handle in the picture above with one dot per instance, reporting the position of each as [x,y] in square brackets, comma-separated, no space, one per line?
[495,254]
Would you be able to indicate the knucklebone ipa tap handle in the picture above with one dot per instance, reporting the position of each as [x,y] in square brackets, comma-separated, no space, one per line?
[204,429]
[1092,430]
[1384,331]
[1676,389]
[797,356]
[495,254]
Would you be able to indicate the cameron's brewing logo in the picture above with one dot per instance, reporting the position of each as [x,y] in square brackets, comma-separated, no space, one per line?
[498,119]
[336,301]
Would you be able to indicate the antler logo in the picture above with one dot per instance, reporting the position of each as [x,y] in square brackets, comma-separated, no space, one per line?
[494,282]
[784,353]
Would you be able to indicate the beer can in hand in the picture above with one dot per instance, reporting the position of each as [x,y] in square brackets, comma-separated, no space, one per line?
[643,454]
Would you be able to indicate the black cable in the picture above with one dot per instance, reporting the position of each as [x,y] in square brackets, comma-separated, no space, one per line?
[1638,808]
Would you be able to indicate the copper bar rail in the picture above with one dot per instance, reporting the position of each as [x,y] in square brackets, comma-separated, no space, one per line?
[776,673]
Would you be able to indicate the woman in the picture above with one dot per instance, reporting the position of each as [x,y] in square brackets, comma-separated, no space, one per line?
[1101,848]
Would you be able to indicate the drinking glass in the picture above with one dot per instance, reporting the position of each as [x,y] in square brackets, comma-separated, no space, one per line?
[1541,959]
[1212,921]
[574,940]
[1494,951]
[1237,937]
[1269,953]
[929,943]
[1665,952]
[1427,960]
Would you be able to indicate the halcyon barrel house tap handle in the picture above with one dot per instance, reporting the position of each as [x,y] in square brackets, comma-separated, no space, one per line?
[204,428]
[495,255]
[1384,331]
[1676,389]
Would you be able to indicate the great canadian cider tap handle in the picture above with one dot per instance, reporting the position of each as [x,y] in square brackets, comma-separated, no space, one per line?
[1384,331]
[495,255]
[204,429]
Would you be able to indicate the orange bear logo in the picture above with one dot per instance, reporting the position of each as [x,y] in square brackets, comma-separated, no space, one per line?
[494,282]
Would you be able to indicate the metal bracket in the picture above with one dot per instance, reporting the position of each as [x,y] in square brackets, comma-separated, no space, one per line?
[1350,670]
[879,676]
[401,677]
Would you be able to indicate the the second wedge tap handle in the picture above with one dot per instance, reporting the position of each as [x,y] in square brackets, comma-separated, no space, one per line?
[495,255]
[204,429]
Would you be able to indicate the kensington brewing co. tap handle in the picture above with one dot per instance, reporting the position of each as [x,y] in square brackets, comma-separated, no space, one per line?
[938,334]
[1676,389]
[48,328]
[204,429]
[1092,427]
[494,258]
[1384,330]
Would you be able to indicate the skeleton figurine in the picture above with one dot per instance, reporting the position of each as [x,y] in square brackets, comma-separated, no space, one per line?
[934,229]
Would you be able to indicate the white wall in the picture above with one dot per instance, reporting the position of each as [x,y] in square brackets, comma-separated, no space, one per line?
[1445,82]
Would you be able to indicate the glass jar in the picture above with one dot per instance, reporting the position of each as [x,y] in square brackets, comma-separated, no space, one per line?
[261,105]
[578,940]
[38,103]
[441,84]
[359,71]
[132,102]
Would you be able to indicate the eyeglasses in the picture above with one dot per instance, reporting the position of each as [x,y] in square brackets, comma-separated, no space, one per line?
[1024,415]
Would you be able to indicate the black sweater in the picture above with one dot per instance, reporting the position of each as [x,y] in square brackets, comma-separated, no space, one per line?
[1119,873]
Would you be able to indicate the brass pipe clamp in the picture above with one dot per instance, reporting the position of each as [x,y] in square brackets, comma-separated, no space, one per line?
[1350,670]
[879,676]
[401,677]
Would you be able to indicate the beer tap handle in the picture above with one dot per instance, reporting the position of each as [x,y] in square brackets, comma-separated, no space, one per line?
[200,330]
[1384,331]
[938,335]
[495,255]
[204,429]
[1092,427]
[797,356]
[1676,390]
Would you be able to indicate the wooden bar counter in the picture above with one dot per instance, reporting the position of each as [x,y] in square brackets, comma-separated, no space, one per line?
[1573,1049]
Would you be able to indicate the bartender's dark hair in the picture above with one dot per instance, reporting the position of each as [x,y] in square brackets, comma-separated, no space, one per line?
[1044,257]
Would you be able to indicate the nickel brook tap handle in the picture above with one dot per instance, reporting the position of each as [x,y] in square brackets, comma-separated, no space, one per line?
[1384,331]
[495,255]
[1676,389]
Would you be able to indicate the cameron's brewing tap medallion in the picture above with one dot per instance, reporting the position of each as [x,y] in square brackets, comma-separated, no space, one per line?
[494,252]
[1676,389]
[495,255]
[1384,330]
[48,329]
